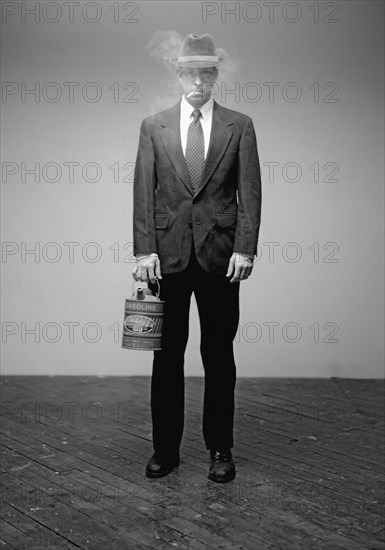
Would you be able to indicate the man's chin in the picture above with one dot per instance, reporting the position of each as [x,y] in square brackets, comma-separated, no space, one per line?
[197,99]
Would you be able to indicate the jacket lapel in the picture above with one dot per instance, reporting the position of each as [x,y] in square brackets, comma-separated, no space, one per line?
[172,143]
[220,136]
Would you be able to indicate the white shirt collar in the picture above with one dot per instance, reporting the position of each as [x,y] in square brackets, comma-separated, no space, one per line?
[187,109]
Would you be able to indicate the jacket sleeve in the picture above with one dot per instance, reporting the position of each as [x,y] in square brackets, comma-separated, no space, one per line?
[249,194]
[144,195]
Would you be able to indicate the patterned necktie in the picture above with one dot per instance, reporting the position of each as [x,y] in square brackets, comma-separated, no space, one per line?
[195,150]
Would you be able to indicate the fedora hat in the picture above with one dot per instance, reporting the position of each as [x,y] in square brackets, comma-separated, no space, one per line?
[197,52]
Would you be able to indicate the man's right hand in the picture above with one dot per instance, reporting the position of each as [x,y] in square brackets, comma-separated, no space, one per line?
[147,268]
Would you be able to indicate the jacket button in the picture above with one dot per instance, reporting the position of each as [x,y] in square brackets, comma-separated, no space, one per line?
[190,223]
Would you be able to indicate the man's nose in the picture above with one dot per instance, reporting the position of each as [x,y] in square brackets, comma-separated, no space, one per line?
[197,80]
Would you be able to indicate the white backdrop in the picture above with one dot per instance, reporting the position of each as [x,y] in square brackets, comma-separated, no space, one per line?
[311,77]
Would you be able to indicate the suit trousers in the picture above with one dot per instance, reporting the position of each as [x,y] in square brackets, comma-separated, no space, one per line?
[218,307]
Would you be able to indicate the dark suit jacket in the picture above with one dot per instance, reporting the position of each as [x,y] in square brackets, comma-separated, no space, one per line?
[224,215]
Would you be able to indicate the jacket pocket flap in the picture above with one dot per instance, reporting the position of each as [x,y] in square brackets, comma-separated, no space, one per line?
[226,219]
[162,221]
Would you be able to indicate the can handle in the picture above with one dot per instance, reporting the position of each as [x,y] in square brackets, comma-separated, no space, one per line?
[157,282]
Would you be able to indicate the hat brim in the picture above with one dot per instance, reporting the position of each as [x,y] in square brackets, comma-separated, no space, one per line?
[196,64]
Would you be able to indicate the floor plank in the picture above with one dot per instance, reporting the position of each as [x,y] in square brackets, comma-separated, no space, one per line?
[309,456]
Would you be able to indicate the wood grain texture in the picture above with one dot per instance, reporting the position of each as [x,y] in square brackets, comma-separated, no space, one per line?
[309,457]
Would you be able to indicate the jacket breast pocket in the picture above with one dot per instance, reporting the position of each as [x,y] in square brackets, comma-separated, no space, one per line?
[162,221]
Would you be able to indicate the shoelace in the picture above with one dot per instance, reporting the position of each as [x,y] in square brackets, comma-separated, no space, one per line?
[219,455]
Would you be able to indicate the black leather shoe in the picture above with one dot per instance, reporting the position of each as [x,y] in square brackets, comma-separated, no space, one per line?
[222,467]
[160,465]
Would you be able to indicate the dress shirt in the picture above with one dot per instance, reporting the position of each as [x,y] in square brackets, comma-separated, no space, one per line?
[186,118]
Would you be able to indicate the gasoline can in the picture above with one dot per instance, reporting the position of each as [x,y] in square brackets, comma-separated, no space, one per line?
[143,320]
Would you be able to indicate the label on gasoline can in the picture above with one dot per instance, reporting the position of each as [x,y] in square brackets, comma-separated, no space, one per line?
[139,323]
[142,327]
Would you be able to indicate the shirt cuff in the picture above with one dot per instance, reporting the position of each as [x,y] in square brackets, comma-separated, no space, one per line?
[245,255]
[146,255]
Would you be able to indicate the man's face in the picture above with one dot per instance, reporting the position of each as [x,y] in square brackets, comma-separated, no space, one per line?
[198,84]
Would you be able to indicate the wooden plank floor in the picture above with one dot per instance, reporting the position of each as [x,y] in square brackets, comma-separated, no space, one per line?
[309,457]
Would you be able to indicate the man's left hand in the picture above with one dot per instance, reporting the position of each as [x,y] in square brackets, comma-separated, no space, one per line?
[240,266]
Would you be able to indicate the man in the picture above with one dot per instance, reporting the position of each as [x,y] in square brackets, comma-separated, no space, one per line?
[197,205]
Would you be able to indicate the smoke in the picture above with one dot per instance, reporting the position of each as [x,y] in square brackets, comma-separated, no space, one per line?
[163,47]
